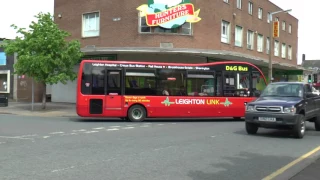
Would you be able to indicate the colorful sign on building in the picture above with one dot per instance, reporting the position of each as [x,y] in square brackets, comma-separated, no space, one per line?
[276,29]
[169,14]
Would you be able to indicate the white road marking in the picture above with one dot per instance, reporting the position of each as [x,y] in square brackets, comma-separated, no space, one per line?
[45,137]
[3,142]
[89,132]
[80,130]
[145,126]
[173,123]
[31,135]
[15,137]
[73,133]
[115,126]
[98,128]
[113,129]
[213,136]
[157,149]
[57,170]
[56,133]
[146,123]
[160,124]
[128,128]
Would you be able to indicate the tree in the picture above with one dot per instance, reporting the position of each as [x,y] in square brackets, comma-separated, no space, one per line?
[43,52]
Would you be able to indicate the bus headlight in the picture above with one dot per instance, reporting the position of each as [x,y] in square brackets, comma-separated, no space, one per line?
[291,110]
[250,108]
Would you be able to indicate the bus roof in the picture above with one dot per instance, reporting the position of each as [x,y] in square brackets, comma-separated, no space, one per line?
[165,63]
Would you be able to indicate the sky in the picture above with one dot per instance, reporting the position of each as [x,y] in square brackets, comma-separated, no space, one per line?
[305,12]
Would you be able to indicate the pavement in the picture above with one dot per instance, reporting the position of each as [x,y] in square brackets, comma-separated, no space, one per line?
[52,109]
[66,148]
[311,172]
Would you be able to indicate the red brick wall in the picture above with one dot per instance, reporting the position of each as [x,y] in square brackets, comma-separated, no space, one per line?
[206,33]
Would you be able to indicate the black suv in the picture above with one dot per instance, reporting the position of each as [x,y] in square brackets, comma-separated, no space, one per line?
[284,105]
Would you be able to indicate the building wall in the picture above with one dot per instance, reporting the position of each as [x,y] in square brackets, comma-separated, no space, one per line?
[206,33]
[64,92]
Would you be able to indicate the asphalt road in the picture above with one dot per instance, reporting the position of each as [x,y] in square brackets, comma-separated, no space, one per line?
[63,148]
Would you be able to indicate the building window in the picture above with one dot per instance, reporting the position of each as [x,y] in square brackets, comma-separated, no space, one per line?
[225,31]
[283,50]
[260,43]
[277,19]
[250,39]
[239,4]
[276,48]
[290,28]
[268,45]
[91,24]
[289,52]
[226,1]
[260,11]
[268,17]
[250,7]
[143,27]
[283,25]
[3,59]
[185,29]
[238,36]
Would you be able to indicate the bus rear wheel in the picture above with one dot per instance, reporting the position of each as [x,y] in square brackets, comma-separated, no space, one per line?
[137,113]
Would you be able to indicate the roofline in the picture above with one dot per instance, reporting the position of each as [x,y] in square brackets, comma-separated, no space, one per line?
[283,9]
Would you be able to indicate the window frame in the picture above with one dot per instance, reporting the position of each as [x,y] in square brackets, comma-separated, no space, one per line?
[289,52]
[267,45]
[276,48]
[236,35]
[261,37]
[290,28]
[223,22]
[252,40]
[239,4]
[250,8]
[283,50]
[260,13]
[6,72]
[83,24]
[5,59]
[283,25]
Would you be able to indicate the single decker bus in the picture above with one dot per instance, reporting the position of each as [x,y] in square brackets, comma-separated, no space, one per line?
[139,90]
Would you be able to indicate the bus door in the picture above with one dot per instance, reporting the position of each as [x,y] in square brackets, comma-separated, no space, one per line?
[113,98]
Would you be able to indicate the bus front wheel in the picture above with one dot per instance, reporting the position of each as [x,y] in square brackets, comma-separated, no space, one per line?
[137,113]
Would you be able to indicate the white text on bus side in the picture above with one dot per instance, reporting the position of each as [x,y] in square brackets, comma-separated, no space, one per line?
[190,101]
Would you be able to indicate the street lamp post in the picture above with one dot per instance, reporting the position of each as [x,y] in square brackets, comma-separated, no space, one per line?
[271,39]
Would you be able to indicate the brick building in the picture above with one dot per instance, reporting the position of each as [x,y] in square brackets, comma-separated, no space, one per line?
[228,30]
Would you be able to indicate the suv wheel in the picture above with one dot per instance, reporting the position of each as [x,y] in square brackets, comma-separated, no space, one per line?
[251,128]
[300,128]
[317,123]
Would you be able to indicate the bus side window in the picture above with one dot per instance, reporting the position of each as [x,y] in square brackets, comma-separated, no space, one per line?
[86,79]
[98,82]
[200,83]
[140,82]
[258,84]
[170,82]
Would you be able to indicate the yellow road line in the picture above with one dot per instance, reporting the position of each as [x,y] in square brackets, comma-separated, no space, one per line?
[286,167]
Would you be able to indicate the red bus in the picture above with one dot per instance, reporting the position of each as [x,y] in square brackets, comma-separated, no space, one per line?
[139,90]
